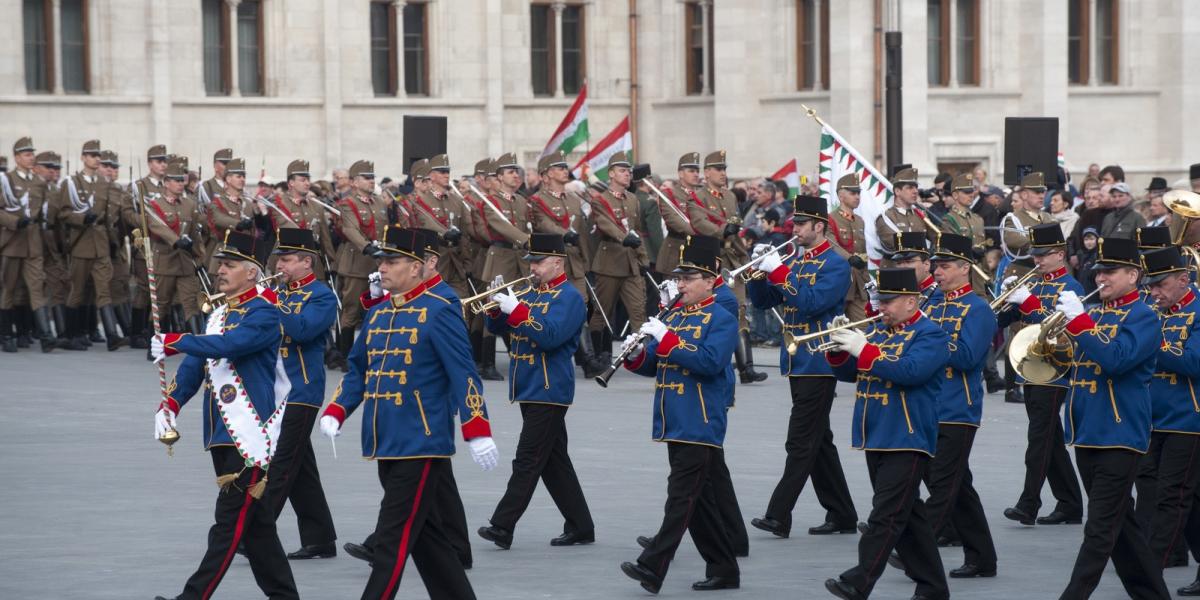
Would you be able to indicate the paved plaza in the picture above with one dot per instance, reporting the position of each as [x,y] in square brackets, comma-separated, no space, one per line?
[93,507]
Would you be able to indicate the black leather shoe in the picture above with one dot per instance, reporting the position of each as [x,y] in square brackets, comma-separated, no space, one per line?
[894,561]
[717,583]
[1016,514]
[573,538]
[315,551]
[650,582]
[843,590]
[489,373]
[241,549]
[947,542]
[1191,589]
[1176,561]
[994,385]
[1059,518]
[830,528]
[644,541]
[1014,396]
[497,536]
[771,526]
[969,570]
[360,552]
[467,562]
[747,376]
[741,552]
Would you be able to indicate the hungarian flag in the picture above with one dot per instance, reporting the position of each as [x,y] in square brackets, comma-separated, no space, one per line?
[790,175]
[596,160]
[837,158]
[573,130]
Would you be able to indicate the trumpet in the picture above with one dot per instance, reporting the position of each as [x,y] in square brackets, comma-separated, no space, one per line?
[1042,354]
[747,274]
[1000,303]
[838,324]
[479,303]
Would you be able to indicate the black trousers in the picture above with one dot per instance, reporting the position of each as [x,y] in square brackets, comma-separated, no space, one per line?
[453,518]
[1111,529]
[1164,506]
[542,454]
[898,522]
[953,500]
[811,453]
[410,524]
[241,519]
[727,505]
[1046,455]
[294,477]
[691,507]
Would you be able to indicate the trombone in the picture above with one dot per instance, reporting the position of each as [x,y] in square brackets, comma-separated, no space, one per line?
[1041,354]
[745,271]
[479,303]
[1000,303]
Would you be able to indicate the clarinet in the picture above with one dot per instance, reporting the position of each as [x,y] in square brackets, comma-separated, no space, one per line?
[608,373]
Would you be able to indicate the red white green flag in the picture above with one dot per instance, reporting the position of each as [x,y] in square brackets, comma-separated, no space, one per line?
[596,160]
[837,158]
[573,130]
[790,175]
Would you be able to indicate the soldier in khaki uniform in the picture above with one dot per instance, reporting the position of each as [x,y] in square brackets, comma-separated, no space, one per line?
[147,187]
[620,256]
[86,213]
[296,210]
[228,210]
[1027,212]
[214,186]
[847,231]
[364,216]
[436,209]
[675,211]
[21,247]
[119,245]
[171,218]
[54,261]
[716,215]
[962,220]
[902,215]
[507,220]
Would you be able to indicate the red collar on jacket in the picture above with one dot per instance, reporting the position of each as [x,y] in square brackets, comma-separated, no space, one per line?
[927,283]
[913,319]
[701,304]
[432,281]
[960,292]
[1123,300]
[1052,275]
[307,279]
[409,295]
[553,283]
[250,294]
[817,250]
[718,282]
[1184,301]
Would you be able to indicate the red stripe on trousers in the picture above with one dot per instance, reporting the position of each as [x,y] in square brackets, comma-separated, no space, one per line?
[402,551]
[237,537]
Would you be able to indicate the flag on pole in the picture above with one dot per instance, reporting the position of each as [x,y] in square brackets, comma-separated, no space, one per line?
[837,158]
[573,130]
[596,160]
[790,175]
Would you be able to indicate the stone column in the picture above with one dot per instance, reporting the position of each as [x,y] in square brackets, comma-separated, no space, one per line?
[705,27]
[232,6]
[398,15]
[558,49]
[55,47]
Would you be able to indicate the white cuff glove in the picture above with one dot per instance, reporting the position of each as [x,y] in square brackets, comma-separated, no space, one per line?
[330,427]
[631,347]
[1019,296]
[156,348]
[485,452]
[497,281]
[1008,281]
[1070,304]
[655,328]
[872,293]
[770,262]
[849,340]
[376,282]
[758,250]
[164,421]
[667,292]
[507,300]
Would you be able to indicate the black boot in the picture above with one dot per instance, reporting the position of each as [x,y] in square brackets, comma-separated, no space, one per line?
[584,354]
[196,324]
[73,336]
[477,348]
[23,321]
[597,364]
[93,324]
[333,351]
[108,318]
[604,348]
[487,361]
[744,357]
[124,320]
[41,321]
[138,338]
[8,338]
[63,329]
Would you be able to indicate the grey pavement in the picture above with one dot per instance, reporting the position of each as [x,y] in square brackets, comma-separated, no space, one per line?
[92,507]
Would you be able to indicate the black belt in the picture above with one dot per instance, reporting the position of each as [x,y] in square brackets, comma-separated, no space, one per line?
[501,244]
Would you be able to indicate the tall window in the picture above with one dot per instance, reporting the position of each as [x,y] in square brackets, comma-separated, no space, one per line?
[541,49]
[75,46]
[39,45]
[572,48]
[548,53]
[215,25]
[953,37]
[250,48]
[698,18]
[416,50]
[812,44]
[1093,41]
[383,57]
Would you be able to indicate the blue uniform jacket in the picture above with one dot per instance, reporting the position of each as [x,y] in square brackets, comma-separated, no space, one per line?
[308,309]
[543,335]
[1173,389]
[691,387]
[411,369]
[812,291]
[1042,300]
[1117,346]
[896,385]
[728,301]
[970,323]
[250,340]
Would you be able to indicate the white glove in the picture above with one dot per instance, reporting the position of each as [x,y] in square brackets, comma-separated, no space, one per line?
[770,262]
[849,340]
[485,452]
[872,292]
[497,281]
[758,250]
[156,348]
[667,292]
[631,347]
[1019,296]
[1008,281]
[330,427]
[1070,304]
[653,327]
[376,282]
[164,421]
[507,300]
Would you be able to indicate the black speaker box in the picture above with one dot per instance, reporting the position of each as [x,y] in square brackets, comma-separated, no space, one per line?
[1030,144]
[424,137]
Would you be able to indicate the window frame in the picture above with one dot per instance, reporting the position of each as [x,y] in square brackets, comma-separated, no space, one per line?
[85,47]
[1085,41]
[261,58]
[1114,34]
[804,62]
[400,43]
[48,49]
[550,50]
[694,85]
[390,86]
[943,44]
[975,45]
[562,52]
[224,64]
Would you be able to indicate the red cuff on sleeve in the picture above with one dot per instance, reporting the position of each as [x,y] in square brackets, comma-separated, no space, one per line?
[170,404]
[635,363]
[1030,305]
[519,314]
[335,411]
[870,309]
[168,340]
[779,275]
[668,343]
[836,359]
[368,302]
[866,359]
[1080,324]
[476,427]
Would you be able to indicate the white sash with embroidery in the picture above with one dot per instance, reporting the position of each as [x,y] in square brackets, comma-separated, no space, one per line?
[255,439]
